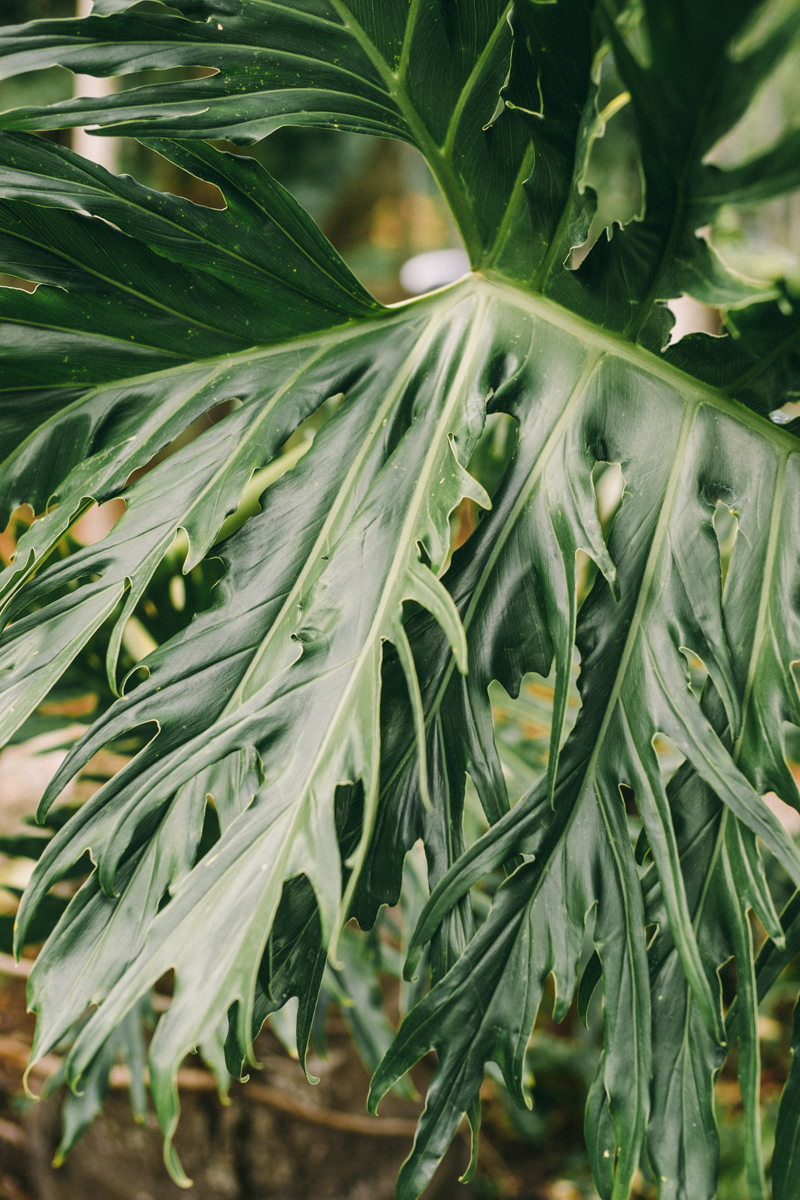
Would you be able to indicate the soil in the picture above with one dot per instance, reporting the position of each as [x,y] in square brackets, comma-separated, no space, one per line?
[244,1150]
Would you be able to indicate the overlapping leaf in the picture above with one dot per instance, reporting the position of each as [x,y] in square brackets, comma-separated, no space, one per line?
[347,65]
[663,546]
[326,754]
[500,119]
[377,449]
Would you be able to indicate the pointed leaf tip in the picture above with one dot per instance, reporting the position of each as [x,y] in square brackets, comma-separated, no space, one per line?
[422,586]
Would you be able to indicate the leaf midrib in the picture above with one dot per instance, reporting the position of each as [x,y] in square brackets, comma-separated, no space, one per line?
[504,229]
[240,448]
[691,388]
[693,392]
[306,293]
[378,623]
[466,91]
[645,586]
[631,933]
[398,566]
[388,597]
[15,582]
[182,356]
[242,694]
[764,600]
[213,366]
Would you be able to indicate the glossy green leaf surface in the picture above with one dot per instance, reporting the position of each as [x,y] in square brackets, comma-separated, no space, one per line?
[329,705]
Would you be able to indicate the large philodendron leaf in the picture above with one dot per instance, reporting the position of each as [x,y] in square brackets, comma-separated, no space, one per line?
[634,684]
[324,712]
[506,119]
[305,696]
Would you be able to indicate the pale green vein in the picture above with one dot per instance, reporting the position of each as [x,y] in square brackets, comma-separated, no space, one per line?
[689,387]
[651,566]
[408,36]
[254,679]
[466,91]
[553,441]
[762,620]
[509,215]
[126,289]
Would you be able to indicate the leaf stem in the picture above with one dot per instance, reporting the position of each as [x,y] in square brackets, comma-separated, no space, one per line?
[440,164]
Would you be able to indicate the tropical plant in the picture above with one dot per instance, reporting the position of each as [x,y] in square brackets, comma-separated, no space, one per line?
[328,706]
